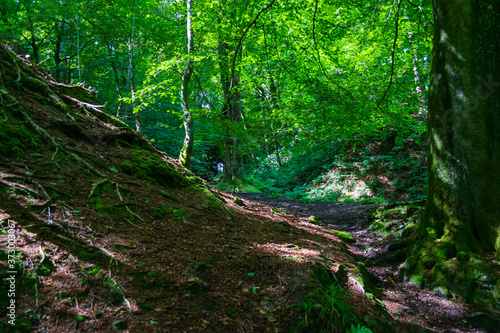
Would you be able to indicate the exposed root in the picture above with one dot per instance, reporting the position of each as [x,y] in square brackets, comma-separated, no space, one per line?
[134,214]
[118,191]
[135,225]
[96,185]
[47,136]
[43,189]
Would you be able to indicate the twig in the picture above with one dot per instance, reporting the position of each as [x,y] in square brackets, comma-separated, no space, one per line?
[319,56]
[269,5]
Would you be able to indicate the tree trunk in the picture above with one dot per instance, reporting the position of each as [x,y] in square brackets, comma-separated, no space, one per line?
[187,148]
[133,89]
[131,76]
[58,51]
[462,213]
[231,109]
[117,80]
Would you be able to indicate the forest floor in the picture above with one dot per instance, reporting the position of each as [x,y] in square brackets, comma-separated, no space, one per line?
[424,310]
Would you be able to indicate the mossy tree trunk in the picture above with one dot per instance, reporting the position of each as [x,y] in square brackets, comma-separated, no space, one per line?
[187,148]
[462,211]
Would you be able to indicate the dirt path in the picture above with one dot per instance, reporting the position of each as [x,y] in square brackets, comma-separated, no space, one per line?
[424,310]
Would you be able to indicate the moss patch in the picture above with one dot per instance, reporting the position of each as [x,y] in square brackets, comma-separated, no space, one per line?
[16,139]
[153,169]
[344,236]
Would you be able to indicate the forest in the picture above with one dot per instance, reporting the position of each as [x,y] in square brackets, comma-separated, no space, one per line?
[249,166]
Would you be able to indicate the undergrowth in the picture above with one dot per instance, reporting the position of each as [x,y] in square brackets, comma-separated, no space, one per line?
[327,309]
[351,172]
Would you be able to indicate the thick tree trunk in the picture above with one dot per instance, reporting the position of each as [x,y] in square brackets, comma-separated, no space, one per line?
[462,212]
[187,148]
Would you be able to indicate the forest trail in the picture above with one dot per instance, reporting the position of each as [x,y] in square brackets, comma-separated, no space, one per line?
[423,309]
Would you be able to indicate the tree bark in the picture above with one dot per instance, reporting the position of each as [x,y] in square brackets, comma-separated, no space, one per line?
[231,109]
[187,148]
[463,202]
[117,80]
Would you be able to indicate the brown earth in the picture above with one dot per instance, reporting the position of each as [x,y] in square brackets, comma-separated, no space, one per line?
[421,309]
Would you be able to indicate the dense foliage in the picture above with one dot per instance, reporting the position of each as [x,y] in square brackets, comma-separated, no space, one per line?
[274,81]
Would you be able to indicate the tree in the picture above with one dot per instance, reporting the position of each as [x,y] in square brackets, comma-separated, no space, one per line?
[187,148]
[462,213]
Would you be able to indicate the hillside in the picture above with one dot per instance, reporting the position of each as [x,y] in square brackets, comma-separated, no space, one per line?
[113,235]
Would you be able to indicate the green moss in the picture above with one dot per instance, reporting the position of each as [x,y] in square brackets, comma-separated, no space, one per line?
[179,215]
[16,139]
[120,325]
[167,195]
[314,220]
[211,203]
[344,236]
[161,212]
[46,268]
[153,169]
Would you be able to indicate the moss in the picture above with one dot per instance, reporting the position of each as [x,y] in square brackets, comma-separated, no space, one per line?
[344,236]
[314,220]
[16,139]
[46,268]
[463,256]
[116,296]
[97,199]
[160,213]
[179,215]
[153,169]
[211,203]
[120,325]
[167,195]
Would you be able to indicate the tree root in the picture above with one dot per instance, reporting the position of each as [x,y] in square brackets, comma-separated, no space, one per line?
[134,214]
[96,185]
[47,136]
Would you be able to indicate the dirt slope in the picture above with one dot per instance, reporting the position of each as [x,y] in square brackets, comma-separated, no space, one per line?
[112,235]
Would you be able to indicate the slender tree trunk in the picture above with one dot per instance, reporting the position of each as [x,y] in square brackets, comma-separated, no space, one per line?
[187,148]
[117,80]
[33,42]
[252,154]
[131,76]
[58,52]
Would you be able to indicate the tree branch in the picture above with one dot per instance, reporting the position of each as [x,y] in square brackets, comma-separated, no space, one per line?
[246,31]
[319,57]
[393,54]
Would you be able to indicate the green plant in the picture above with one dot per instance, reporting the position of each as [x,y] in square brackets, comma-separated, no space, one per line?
[327,310]
[359,329]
